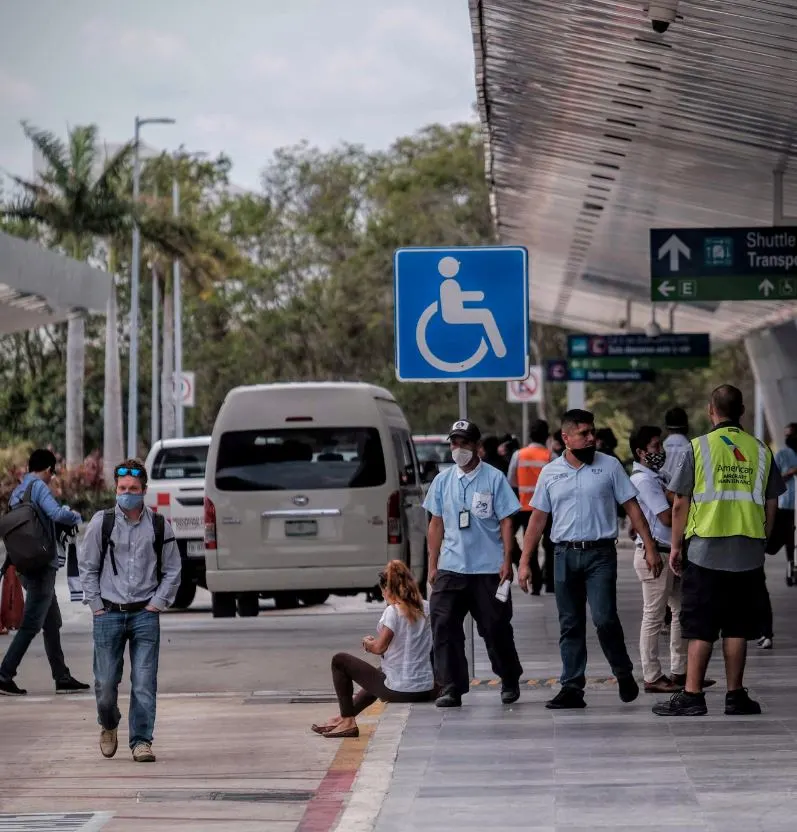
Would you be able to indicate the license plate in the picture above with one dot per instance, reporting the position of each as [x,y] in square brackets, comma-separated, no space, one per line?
[196,548]
[301,528]
[187,522]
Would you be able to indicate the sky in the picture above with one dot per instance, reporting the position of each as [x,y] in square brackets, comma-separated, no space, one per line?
[240,76]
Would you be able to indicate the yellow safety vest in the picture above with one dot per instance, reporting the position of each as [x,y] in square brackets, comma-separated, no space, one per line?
[731,473]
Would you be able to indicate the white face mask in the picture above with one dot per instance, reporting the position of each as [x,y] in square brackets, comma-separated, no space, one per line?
[462,457]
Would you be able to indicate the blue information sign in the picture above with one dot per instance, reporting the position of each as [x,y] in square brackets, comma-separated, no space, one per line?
[461,314]
[636,345]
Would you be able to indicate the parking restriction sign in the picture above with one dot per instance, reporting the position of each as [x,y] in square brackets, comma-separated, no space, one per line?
[527,391]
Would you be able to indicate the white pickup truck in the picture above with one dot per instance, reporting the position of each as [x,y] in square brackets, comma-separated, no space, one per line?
[176,489]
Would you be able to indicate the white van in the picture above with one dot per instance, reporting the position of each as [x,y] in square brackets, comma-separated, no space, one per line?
[310,490]
[176,489]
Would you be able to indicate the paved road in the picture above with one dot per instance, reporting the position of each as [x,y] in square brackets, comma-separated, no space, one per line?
[277,651]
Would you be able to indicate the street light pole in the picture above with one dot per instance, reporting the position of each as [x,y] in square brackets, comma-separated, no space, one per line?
[179,412]
[132,391]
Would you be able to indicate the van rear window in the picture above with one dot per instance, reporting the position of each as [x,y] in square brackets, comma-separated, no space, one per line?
[187,463]
[300,459]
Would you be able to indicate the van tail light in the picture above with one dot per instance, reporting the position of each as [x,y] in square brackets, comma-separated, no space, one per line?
[394,518]
[210,524]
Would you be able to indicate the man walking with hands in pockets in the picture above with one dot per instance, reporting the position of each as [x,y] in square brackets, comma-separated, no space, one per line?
[470,540]
[130,570]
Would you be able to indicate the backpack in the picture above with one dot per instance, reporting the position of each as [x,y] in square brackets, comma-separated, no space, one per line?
[108,522]
[29,542]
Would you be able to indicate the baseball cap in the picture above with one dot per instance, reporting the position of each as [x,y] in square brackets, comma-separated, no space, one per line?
[466,430]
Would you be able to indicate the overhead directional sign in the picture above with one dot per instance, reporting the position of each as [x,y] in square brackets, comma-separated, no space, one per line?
[716,264]
[561,370]
[626,350]
[461,314]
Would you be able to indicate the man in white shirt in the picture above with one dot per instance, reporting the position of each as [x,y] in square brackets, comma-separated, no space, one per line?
[663,589]
[677,424]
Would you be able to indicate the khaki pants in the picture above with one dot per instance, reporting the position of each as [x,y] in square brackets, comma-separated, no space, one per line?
[657,595]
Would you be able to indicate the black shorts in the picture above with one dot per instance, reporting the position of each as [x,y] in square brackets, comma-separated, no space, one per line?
[782,533]
[715,603]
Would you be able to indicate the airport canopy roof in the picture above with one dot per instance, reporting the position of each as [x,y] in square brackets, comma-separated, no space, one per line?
[598,129]
[39,287]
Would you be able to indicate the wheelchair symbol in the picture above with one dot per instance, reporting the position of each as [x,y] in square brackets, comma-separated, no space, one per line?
[453,310]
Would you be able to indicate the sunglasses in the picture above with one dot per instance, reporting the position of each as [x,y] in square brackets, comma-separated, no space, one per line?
[124,471]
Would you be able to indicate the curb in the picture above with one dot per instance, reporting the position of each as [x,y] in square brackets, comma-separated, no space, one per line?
[373,779]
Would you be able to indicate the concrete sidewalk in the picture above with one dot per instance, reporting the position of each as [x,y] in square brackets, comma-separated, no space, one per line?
[611,766]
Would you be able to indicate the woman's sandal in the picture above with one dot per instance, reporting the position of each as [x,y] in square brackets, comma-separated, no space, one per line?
[349,733]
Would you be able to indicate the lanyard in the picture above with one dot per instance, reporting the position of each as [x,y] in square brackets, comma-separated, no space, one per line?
[463,487]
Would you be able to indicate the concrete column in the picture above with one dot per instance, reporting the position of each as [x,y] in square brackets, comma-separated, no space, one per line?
[773,354]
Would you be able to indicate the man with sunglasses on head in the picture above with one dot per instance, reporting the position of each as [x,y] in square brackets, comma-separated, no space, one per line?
[41,604]
[130,570]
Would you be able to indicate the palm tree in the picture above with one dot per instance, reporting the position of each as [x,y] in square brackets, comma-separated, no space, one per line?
[81,198]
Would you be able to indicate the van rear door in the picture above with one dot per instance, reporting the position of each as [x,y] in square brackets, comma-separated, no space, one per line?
[301,496]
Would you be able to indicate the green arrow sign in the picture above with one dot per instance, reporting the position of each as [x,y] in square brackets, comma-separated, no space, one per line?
[648,363]
[730,287]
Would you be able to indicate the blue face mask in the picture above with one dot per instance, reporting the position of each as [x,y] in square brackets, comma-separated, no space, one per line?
[129,502]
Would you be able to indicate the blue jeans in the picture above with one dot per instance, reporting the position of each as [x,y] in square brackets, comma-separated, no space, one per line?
[42,614]
[112,630]
[581,576]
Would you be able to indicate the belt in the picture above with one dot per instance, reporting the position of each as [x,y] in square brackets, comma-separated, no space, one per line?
[135,607]
[587,544]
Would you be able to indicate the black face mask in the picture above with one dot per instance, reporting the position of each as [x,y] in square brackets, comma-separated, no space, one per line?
[791,442]
[585,455]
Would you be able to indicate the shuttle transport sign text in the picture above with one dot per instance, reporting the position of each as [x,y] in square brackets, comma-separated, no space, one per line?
[461,314]
[716,264]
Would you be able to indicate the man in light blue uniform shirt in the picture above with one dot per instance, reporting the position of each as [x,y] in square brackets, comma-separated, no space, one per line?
[582,490]
[470,539]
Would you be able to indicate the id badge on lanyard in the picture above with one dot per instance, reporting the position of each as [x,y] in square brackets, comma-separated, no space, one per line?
[464,519]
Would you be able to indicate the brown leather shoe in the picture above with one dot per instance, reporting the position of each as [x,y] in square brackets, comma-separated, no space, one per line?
[662,685]
[680,680]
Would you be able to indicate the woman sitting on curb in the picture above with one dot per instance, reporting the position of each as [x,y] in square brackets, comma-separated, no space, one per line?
[403,640]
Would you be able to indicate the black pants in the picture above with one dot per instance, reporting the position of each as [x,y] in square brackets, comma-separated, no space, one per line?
[347,669]
[42,614]
[539,576]
[453,597]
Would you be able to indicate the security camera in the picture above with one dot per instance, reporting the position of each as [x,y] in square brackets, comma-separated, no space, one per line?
[661,14]
[652,330]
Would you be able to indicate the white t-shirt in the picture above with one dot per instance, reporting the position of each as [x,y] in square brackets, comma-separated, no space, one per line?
[652,501]
[407,662]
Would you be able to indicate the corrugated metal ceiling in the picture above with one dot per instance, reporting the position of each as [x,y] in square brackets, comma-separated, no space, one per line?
[598,129]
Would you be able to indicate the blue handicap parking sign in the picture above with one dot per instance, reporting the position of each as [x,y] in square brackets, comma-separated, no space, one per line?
[461,314]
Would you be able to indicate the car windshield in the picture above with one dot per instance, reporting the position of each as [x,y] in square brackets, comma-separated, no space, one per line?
[300,459]
[439,452]
[180,463]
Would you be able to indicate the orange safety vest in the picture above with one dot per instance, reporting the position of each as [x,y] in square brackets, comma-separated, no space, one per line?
[531,461]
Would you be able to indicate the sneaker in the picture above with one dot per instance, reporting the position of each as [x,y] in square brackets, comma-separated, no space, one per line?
[738,703]
[568,698]
[765,643]
[142,753]
[9,688]
[682,704]
[108,742]
[662,685]
[70,685]
[629,689]
[510,692]
[448,700]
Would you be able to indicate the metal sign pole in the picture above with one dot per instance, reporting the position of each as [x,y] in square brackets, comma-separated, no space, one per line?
[469,643]
[524,430]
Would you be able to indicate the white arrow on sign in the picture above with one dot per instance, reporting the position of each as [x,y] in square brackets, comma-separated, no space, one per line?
[766,286]
[675,247]
[666,288]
